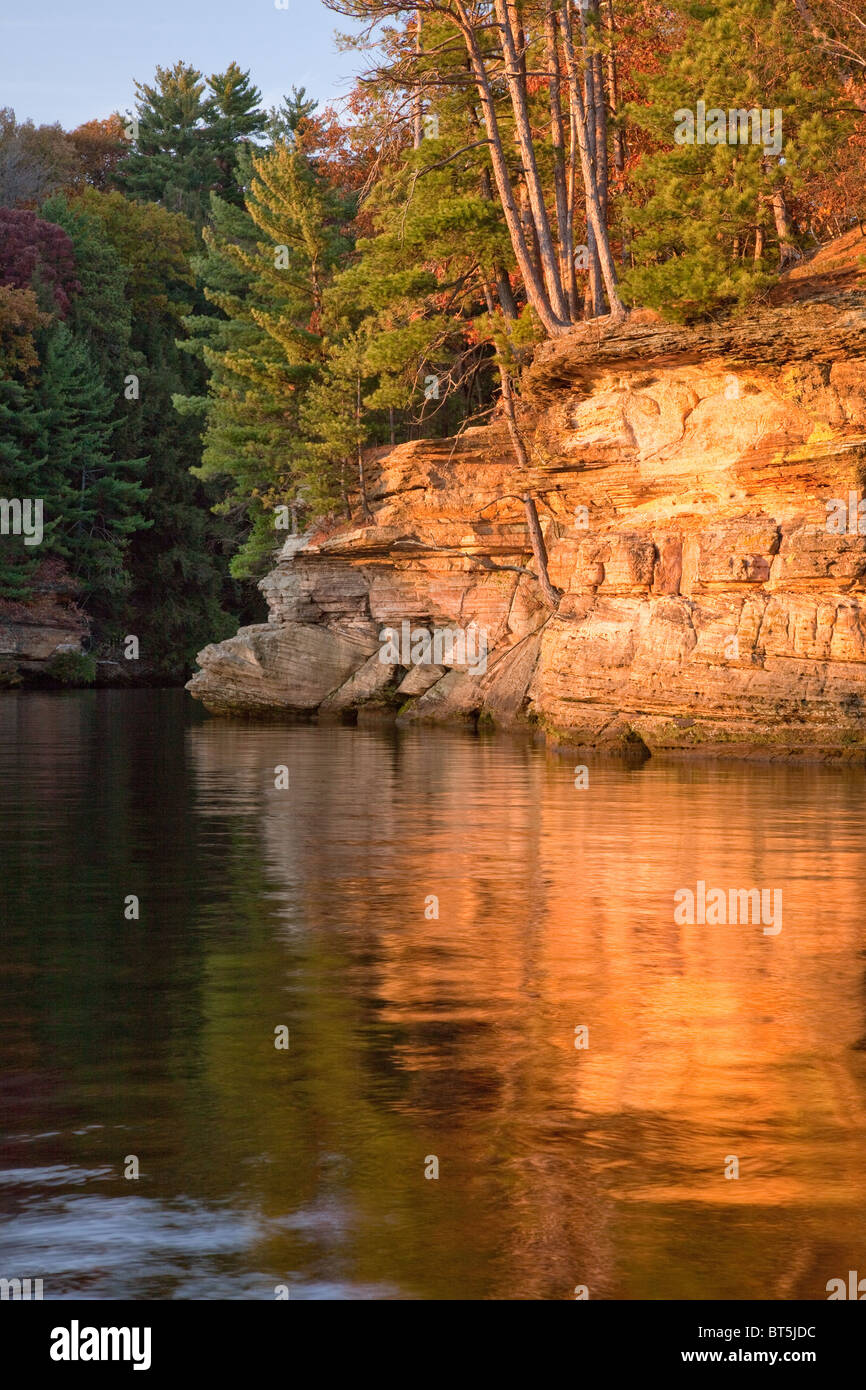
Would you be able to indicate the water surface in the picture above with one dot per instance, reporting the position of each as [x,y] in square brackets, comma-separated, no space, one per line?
[414,1037]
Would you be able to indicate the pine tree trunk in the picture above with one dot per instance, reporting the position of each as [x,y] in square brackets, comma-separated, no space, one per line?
[361,479]
[529,229]
[619,142]
[557,140]
[536,291]
[594,217]
[600,153]
[594,298]
[417,113]
[788,253]
[619,147]
[600,134]
[506,16]
[504,291]
[550,594]
[572,197]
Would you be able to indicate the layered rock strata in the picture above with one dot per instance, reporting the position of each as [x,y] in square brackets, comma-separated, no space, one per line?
[35,633]
[684,481]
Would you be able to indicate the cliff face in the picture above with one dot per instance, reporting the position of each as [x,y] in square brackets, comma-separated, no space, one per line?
[49,625]
[682,479]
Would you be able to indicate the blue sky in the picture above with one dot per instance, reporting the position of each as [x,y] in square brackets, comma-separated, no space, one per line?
[76,61]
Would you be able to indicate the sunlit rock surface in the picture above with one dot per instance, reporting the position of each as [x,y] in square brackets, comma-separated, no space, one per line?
[683,478]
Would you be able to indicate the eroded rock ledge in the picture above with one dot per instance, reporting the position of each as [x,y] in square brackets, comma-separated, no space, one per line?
[705,605]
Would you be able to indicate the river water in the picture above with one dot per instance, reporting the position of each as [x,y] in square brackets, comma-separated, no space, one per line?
[418,1040]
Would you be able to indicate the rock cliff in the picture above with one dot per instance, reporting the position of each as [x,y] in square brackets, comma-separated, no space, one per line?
[683,478]
[34,634]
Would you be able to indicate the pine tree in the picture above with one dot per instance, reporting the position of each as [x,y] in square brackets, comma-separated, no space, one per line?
[23,443]
[172,161]
[440,260]
[285,120]
[94,500]
[55,446]
[244,451]
[238,119]
[178,567]
[713,222]
[536,82]
[336,427]
[189,132]
[266,269]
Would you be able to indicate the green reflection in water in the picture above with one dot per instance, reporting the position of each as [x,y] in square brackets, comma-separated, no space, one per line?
[413,1035]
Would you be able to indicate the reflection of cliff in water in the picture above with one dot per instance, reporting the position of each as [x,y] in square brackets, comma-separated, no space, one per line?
[414,1036]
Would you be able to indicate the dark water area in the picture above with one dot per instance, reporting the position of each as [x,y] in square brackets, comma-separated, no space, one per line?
[414,1037]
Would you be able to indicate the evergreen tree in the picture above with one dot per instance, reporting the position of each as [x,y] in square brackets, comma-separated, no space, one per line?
[285,120]
[178,567]
[238,120]
[189,131]
[173,161]
[244,446]
[23,443]
[336,426]
[432,287]
[713,221]
[266,269]
[94,500]
[56,433]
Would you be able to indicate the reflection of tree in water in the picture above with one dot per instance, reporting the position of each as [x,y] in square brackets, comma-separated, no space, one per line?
[413,1036]
[565,1166]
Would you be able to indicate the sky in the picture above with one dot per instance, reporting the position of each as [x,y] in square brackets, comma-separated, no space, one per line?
[77,60]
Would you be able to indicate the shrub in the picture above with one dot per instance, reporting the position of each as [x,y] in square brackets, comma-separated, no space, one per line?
[72,668]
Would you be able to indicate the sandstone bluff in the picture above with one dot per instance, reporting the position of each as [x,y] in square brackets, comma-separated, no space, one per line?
[682,478]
